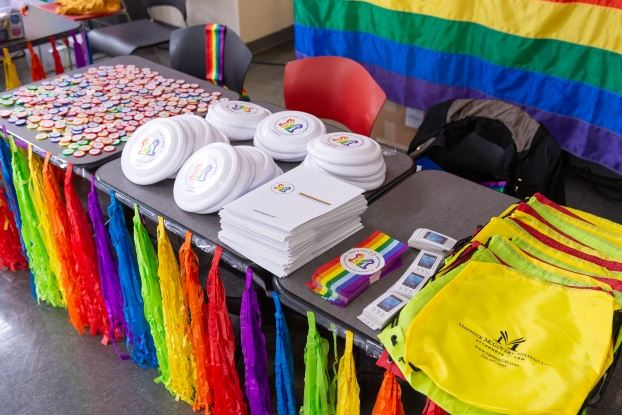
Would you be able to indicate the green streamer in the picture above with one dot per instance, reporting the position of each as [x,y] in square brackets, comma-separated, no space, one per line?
[152,298]
[46,285]
[317,387]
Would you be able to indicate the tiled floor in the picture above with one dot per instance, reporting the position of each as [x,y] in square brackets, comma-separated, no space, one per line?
[46,367]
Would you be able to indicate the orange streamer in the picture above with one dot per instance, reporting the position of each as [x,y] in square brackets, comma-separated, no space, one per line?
[195,303]
[59,223]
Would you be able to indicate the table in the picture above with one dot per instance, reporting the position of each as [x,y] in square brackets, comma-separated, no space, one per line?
[432,199]
[39,25]
[90,162]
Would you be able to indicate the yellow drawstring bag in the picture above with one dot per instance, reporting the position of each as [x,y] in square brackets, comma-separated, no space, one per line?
[600,223]
[525,347]
[11,80]
[348,402]
[589,234]
[562,259]
[79,7]
[597,220]
[393,339]
[513,257]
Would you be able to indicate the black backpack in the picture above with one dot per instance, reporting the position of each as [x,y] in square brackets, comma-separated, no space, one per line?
[489,140]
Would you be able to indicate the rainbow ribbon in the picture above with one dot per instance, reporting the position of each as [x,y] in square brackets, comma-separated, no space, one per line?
[215,55]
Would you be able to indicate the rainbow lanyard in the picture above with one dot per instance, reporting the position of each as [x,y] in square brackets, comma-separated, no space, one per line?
[340,285]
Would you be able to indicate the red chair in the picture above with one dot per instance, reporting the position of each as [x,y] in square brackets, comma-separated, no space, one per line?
[334,88]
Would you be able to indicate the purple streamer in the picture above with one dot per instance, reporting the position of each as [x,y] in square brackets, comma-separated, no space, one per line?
[111,287]
[78,52]
[254,350]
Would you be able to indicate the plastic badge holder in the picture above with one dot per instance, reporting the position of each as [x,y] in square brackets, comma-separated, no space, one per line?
[377,314]
[287,134]
[154,152]
[207,177]
[433,241]
[236,119]
[345,148]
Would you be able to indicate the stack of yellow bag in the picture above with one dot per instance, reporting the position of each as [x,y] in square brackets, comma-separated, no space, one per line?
[520,321]
[82,7]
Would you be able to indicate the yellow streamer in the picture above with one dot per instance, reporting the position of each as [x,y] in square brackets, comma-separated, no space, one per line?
[178,343]
[11,80]
[348,402]
[578,23]
[45,226]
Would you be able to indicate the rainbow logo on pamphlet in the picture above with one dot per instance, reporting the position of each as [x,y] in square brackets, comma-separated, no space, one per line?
[149,146]
[282,188]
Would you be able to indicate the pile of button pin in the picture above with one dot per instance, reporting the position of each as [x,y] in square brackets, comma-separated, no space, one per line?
[94,112]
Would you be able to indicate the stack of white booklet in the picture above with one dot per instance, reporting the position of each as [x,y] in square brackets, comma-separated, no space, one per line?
[285,223]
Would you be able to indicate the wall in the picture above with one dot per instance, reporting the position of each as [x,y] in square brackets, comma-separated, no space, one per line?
[251,19]
[260,18]
[214,11]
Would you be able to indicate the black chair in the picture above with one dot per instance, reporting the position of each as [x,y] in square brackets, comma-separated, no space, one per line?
[187,50]
[124,39]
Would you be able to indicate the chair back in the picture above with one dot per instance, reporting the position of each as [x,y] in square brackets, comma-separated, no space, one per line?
[187,51]
[335,88]
[177,4]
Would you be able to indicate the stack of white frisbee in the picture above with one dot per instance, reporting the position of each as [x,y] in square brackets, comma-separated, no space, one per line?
[285,135]
[158,149]
[353,158]
[219,173]
[238,120]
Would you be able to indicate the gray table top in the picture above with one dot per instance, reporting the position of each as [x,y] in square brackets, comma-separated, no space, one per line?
[28,136]
[428,199]
[39,25]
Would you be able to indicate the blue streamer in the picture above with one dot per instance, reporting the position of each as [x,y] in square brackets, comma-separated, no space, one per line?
[139,342]
[89,51]
[283,363]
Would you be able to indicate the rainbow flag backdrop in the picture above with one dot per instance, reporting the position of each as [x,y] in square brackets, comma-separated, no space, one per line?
[561,60]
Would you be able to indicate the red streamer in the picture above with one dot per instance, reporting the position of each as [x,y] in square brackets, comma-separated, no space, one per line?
[11,256]
[228,397]
[432,409]
[58,63]
[85,260]
[37,73]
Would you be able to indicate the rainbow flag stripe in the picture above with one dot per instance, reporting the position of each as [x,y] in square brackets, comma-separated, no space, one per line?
[341,286]
[560,60]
